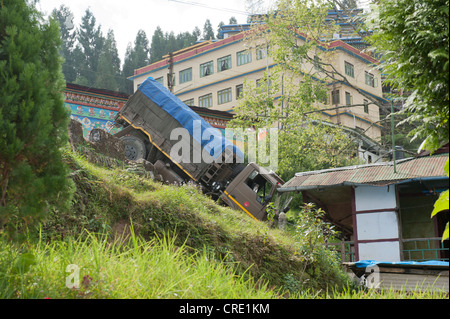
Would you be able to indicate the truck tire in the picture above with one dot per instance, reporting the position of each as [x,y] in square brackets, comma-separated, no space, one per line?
[134,148]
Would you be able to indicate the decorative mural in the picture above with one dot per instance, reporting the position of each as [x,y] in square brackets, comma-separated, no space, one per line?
[94,108]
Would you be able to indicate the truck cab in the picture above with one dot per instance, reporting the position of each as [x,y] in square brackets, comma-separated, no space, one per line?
[251,190]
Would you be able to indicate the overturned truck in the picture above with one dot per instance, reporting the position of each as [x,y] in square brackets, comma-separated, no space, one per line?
[183,147]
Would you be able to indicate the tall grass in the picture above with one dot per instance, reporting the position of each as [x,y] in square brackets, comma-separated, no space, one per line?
[134,268]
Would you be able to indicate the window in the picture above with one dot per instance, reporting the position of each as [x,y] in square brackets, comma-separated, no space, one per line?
[260,186]
[205,100]
[243,57]
[348,99]
[186,75]
[261,52]
[189,102]
[239,91]
[206,69]
[317,63]
[370,79]
[224,96]
[335,97]
[224,63]
[366,106]
[349,69]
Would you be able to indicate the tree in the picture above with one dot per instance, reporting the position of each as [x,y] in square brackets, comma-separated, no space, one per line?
[136,57]
[158,46]
[305,141]
[68,36]
[91,40]
[412,40]
[219,26]
[108,70]
[208,32]
[33,119]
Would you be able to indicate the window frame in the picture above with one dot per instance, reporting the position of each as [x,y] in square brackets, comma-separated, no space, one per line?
[224,96]
[350,68]
[209,65]
[369,79]
[182,75]
[262,52]
[189,102]
[334,94]
[203,98]
[348,98]
[243,57]
[226,58]
[239,91]
[366,106]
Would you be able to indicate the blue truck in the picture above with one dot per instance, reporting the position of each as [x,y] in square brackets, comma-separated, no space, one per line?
[159,128]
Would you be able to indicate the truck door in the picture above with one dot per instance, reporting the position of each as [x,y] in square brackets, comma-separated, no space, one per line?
[251,193]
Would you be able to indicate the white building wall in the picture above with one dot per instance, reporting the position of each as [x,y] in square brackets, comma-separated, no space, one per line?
[377,223]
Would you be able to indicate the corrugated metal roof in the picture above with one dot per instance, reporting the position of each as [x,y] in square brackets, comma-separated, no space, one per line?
[374,174]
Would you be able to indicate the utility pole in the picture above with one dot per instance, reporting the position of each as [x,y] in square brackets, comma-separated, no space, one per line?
[392,132]
[170,74]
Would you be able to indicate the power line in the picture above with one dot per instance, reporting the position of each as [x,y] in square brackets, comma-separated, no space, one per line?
[197,4]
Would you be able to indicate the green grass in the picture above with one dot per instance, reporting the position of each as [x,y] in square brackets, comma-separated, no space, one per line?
[134,269]
[131,237]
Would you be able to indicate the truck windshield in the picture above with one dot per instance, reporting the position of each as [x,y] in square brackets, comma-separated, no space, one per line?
[260,185]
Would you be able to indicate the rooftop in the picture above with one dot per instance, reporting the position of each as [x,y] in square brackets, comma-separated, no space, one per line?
[379,174]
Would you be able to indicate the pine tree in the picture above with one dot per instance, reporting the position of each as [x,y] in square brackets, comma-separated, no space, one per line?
[91,41]
[136,57]
[108,70]
[208,32]
[33,119]
[158,45]
[220,36]
[67,29]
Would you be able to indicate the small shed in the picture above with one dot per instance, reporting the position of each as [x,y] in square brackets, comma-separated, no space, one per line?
[383,210]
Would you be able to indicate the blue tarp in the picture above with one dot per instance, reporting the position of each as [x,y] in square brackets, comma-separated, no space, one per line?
[368,263]
[210,138]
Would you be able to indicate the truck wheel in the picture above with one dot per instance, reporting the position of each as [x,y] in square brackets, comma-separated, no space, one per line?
[134,148]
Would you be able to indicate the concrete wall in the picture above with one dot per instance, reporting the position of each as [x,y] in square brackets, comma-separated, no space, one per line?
[377,223]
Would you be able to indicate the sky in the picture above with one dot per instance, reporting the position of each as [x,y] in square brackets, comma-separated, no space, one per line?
[127,17]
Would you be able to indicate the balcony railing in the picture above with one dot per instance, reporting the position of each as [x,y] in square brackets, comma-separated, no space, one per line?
[420,249]
[414,249]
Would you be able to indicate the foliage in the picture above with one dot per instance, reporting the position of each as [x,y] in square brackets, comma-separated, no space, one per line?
[208,32]
[124,268]
[412,39]
[108,69]
[33,119]
[165,42]
[68,37]
[442,204]
[91,40]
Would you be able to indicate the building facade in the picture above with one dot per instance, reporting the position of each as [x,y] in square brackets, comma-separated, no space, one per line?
[211,75]
[94,108]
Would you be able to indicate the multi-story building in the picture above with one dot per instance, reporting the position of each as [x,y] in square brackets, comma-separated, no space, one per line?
[211,75]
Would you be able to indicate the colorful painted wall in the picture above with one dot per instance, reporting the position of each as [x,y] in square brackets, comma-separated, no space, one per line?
[94,108]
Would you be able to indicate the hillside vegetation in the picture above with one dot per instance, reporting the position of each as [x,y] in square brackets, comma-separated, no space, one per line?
[131,237]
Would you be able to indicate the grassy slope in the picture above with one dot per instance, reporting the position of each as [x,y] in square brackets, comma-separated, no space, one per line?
[108,199]
[183,245]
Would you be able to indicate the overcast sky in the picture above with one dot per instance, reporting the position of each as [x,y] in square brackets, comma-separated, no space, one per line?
[127,17]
